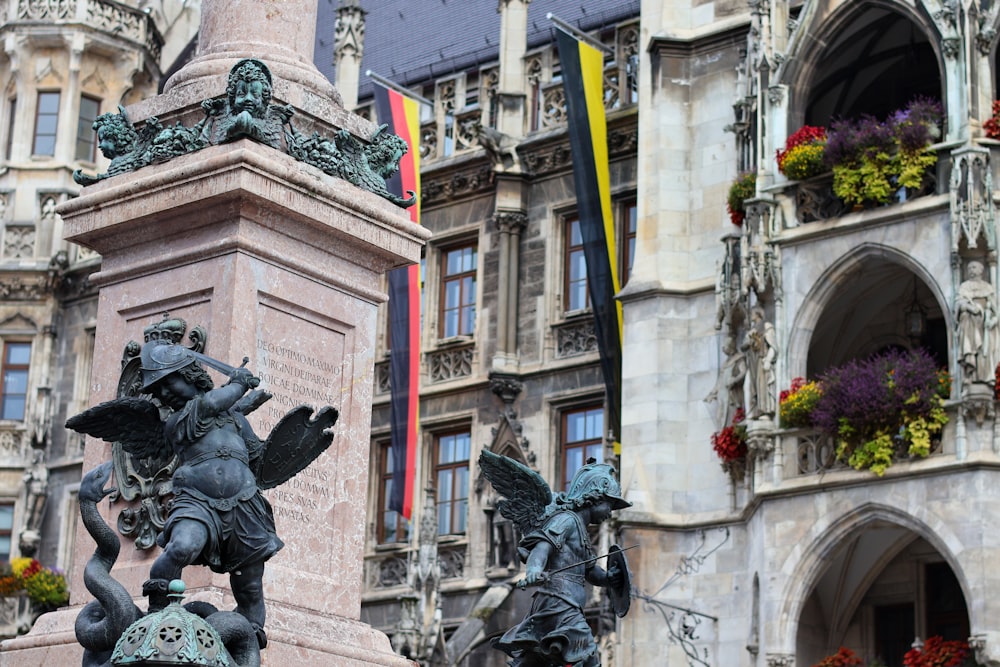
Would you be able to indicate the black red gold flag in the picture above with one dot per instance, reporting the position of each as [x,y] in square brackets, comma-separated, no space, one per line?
[583,85]
[402,115]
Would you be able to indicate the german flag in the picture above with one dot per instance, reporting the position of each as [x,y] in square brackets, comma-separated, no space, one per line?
[402,115]
[583,85]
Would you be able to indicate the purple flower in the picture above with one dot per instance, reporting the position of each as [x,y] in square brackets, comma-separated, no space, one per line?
[863,397]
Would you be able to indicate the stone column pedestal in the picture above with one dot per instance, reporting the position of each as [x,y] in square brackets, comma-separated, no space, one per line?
[282,264]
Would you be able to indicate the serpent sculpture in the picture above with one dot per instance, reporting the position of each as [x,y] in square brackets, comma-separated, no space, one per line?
[102,621]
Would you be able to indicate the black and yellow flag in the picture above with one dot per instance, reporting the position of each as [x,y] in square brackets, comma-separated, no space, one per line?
[583,83]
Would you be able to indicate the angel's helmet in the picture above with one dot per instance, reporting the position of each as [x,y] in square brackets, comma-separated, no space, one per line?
[597,481]
[160,360]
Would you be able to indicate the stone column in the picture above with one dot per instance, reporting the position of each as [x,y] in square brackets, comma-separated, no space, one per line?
[282,32]
[510,218]
[513,43]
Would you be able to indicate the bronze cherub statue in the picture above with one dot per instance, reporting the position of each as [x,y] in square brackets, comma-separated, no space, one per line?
[559,558]
[217,516]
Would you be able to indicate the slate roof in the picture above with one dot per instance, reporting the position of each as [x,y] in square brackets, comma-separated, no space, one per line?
[414,41]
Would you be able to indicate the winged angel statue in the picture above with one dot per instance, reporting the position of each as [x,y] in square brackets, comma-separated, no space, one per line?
[217,516]
[559,559]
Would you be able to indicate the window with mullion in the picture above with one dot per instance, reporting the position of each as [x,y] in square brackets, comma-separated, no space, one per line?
[452,472]
[14,392]
[575,287]
[46,124]
[6,529]
[392,526]
[85,135]
[582,437]
[458,291]
[11,117]
[627,211]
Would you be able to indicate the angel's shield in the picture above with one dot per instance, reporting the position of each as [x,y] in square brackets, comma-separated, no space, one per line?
[621,595]
[294,443]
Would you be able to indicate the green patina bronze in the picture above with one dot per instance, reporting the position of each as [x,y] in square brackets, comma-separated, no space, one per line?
[246,112]
[172,636]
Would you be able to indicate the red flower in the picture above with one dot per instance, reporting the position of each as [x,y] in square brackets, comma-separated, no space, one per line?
[807,134]
[937,652]
[845,657]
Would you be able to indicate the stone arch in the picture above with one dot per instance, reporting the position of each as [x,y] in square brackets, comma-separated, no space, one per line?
[820,25]
[808,561]
[840,274]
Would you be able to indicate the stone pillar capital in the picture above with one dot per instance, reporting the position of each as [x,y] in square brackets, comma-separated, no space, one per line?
[510,221]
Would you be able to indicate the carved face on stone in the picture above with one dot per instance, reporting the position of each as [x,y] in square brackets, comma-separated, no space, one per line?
[974,271]
[114,135]
[249,88]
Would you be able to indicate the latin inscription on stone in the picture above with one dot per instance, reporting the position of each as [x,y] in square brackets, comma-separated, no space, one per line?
[295,378]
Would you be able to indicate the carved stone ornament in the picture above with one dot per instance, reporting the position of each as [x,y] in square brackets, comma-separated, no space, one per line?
[978,403]
[977,644]
[760,438]
[246,112]
[349,30]
[510,220]
[780,660]
[147,480]
[951,47]
[760,269]
[971,194]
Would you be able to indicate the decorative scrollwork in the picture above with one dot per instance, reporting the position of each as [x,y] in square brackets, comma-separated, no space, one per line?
[816,453]
[450,363]
[683,623]
[575,338]
[19,241]
[467,130]
[382,383]
[390,571]
[452,562]
[553,106]
[428,140]
[46,9]
[146,480]
[814,200]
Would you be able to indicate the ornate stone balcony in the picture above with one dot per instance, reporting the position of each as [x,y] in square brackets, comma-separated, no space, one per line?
[106,16]
[813,199]
[805,457]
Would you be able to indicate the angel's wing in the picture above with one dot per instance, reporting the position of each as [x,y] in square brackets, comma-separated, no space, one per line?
[131,421]
[294,443]
[527,495]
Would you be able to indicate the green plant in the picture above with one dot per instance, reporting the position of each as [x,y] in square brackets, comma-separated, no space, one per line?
[797,403]
[879,407]
[803,154]
[873,160]
[730,444]
[743,188]
[46,587]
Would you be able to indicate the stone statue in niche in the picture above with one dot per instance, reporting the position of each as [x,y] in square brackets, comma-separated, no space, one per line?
[727,394]
[246,111]
[976,326]
[559,559]
[217,515]
[760,346]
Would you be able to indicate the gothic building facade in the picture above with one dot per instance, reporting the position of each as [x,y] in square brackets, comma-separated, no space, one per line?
[777,558]
[509,354]
[786,552]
